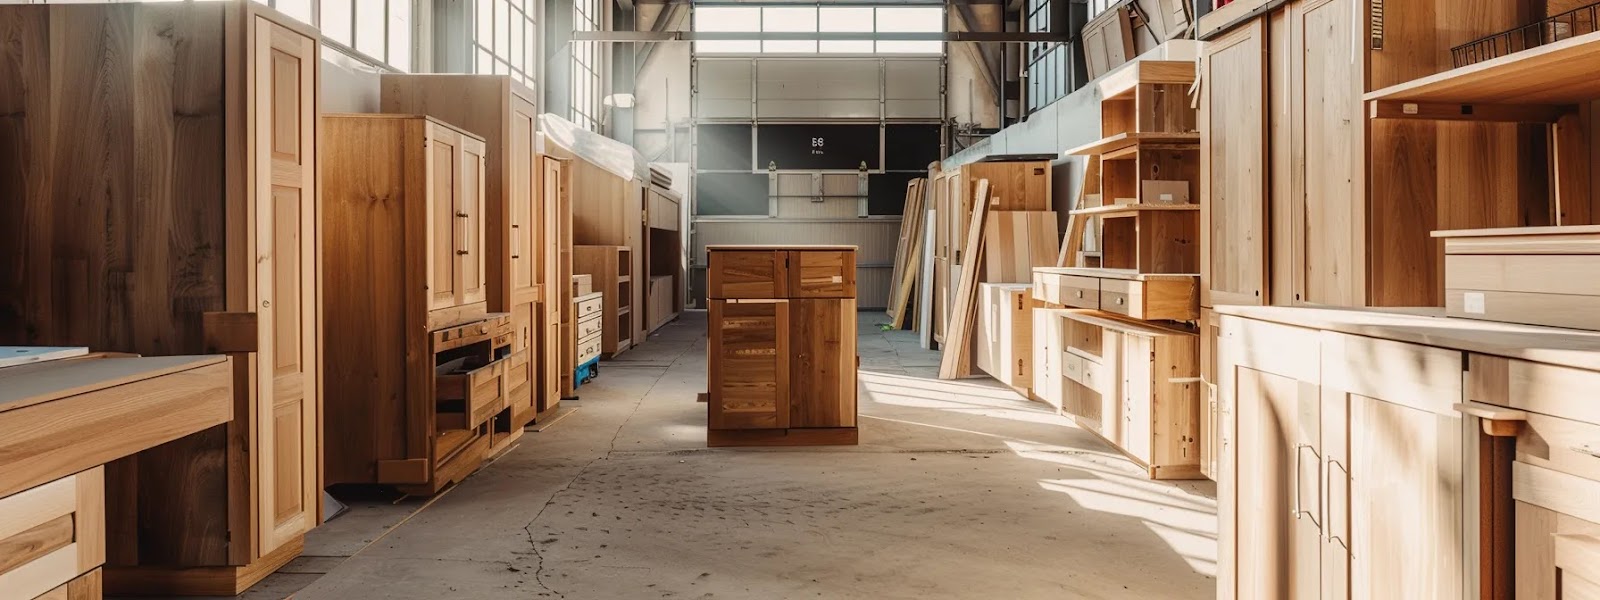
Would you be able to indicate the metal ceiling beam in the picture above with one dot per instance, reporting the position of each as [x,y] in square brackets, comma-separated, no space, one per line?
[668,19]
[1004,37]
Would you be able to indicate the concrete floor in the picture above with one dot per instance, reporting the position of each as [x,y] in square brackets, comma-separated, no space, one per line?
[958,490]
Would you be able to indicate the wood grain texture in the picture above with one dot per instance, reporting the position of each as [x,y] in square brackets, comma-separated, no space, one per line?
[607,210]
[1233,234]
[1018,241]
[955,362]
[52,535]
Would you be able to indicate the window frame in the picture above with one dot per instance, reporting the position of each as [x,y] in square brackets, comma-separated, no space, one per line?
[818,47]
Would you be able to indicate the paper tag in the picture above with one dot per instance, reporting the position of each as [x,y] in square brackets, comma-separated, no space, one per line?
[1408,108]
[1167,198]
[1472,303]
[838,279]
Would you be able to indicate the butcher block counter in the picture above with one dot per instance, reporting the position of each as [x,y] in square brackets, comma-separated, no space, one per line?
[60,422]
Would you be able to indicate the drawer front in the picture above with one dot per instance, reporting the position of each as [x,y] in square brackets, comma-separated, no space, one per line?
[589,326]
[747,274]
[588,306]
[52,534]
[1072,367]
[1117,296]
[1080,292]
[1535,387]
[822,274]
[1563,445]
[518,370]
[1047,288]
[588,350]
[480,389]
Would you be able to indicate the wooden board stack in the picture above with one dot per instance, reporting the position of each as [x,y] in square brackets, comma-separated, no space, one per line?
[908,255]
[1120,355]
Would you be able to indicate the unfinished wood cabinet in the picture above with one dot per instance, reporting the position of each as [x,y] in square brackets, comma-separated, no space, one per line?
[782,367]
[1004,334]
[505,114]
[53,534]
[1136,386]
[1154,297]
[611,269]
[1233,172]
[193,229]
[556,324]
[404,195]
[608,209]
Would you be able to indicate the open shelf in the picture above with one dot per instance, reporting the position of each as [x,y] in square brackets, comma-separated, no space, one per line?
[1125,210]
[1127,140]
[1562,72]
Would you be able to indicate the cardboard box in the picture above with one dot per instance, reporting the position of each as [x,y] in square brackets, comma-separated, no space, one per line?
[1156,191]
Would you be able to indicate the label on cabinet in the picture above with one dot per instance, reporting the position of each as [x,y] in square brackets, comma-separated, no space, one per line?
[1472,303]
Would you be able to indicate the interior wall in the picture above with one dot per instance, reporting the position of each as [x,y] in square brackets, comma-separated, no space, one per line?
[348,84]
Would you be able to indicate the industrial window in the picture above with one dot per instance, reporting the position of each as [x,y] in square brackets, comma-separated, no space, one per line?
[505,39]
[379,29]
[1047,61]
[813,19]
[586,58]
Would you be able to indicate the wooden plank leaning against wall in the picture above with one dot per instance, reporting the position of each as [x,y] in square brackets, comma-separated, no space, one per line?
[128,230]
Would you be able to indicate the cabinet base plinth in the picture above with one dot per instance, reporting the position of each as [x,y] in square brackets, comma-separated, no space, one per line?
[819,436]
[198,581]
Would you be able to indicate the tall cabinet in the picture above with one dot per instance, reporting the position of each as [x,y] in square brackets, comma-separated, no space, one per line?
[516,245]
[184,223]
[419,370]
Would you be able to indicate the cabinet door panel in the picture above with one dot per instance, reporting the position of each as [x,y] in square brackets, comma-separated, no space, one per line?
[822,378]
[1278,543]
[288,392]
[819,274]
[1327,169]
[748,274]
[749,365]
[471,208]
[526,230]
[1233,219]
[1405,501]
[444,227]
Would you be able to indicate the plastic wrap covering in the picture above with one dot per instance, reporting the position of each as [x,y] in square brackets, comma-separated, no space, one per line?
[601,151]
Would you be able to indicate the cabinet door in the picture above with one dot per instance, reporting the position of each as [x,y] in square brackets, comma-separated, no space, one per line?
[1137,394]
[555,200]
[822,274]
[525,206]
[749,364]
[1279,553]
[446,227]
[471,208]
[288,390]
[1328,155]
[1405,501]
[822,362]
[1233,215]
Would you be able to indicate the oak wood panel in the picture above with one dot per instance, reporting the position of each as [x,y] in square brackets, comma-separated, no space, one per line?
[1233,178]
[1328,155]
[748,274]
[749,366]
[52,534]
[822,372]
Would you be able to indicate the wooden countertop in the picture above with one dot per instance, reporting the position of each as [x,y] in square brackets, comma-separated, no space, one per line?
[61,417]
[1429,326]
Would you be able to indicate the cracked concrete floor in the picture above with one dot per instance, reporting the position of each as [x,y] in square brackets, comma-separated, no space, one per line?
[958,490]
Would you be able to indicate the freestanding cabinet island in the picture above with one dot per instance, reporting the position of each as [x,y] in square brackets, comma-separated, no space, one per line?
[782,354]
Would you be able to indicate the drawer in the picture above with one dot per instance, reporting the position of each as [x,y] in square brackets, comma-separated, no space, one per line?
[588,305]
[1564,445]
[747,274]
[1072,366]
[588,349]
[1080,292]
[1535,387]
[52,534]
[478,387]
[822,274]
[1086,338]
[519,370]
[1116,296]
[589,326]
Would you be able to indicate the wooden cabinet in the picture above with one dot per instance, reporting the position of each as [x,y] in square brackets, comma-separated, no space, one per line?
[556,324]
[1004,334]
[1233,174]
[194,230]
[1349,469]
[405,196]
[515,246]
[782,368]
[53,534]
[611,270]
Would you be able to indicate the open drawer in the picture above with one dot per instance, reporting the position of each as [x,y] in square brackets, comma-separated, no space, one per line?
[478,387]
[1151,299]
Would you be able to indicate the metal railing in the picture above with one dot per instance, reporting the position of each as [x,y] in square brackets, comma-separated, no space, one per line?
[1559,27]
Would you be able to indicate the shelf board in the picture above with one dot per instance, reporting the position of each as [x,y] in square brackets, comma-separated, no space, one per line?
[1558,73]
[1127,140]
[1112,210]
[1124,274]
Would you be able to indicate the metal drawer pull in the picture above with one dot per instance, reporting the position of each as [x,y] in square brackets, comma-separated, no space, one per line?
[1080,293]
[1299,507]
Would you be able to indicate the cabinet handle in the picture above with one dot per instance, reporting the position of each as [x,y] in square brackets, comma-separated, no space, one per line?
[1497,421]
[1080,293]
[516,241]
[1333,536]
[461,214]
[1299,507]
[1121,300]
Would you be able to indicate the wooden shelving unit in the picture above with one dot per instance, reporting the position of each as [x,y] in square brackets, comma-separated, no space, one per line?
[612,270]
[1129,379]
